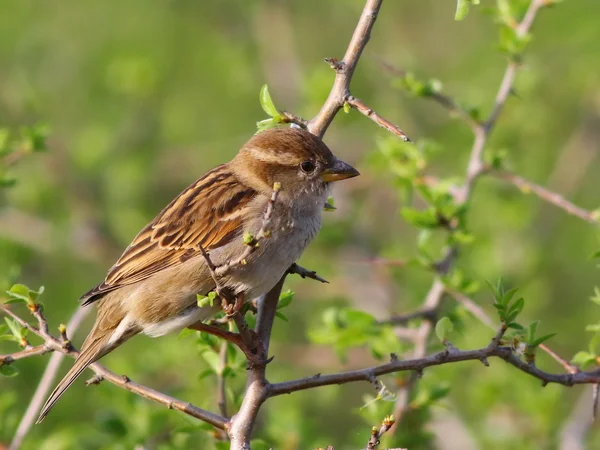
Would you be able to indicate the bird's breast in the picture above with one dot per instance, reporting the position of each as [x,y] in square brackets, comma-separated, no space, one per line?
[290,231]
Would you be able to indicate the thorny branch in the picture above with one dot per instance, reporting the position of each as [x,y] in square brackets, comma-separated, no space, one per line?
[258,389]
[57,345]
[477,167]
[344,70]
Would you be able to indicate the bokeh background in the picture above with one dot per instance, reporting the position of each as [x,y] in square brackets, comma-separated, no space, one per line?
[143,97]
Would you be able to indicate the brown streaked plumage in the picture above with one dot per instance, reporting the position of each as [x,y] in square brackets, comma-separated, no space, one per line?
[152,287]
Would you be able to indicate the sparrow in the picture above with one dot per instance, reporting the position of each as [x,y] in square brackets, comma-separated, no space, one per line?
[153,287]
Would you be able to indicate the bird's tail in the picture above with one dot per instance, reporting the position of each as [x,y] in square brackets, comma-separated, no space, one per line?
[93,349]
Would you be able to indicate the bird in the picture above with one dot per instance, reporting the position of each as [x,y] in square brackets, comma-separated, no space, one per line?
[153,287]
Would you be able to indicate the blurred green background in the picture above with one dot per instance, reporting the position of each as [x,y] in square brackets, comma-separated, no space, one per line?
[143,97]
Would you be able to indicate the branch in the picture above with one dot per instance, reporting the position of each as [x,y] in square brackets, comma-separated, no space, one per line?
[376,433]
[476,166]
[450,355]
[305,273]
[54,344]
[551,197]
[444,100]
[241,424]
[253,242]
[345,69]
[383,123]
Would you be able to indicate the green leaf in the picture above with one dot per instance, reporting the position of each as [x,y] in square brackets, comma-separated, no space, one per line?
[15,327]
[532,329]
[206,300]
[422,219]
[542,339]
[19,291]
[202,301]
[462,9]
[248,238]
[185,333]
[285,298]
[265,124]
[443,328]
[508,296]
[582,359]
[282,316]
[14,300]
[205,373]
[347,107]
[267,103]
[9,370]
[329,204]
[517,306]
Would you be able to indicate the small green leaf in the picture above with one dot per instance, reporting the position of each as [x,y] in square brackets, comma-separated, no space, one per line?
[205,373]
[517,306]
[347,107]
[15,327]
[248,238]
[422,219]
[267,103]
[185,333]
[205,300]
[282,316]
[9,370]
[462,9]
[443,328]
[14,300]
[19,291]
[542,339]
[329,204]
[285,298]
[582,359]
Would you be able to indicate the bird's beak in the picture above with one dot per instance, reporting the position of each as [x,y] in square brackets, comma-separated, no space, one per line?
[339,171]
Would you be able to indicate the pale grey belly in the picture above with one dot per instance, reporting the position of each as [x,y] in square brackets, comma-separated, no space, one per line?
[264,268]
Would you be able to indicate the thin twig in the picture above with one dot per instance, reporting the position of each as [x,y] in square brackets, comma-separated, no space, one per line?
[440,358]
[291,118]
[479,313]
[345,69]
[382,122]
[376,433]
[475,168]
[46,381]
[254,243]
[444,100]
[547,195]
[221,387]
[305,273]
[26,353]
[56,345]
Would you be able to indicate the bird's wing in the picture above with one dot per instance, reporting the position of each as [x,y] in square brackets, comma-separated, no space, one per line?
[209,213]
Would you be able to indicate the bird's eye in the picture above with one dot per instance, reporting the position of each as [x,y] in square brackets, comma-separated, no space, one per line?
[307,166]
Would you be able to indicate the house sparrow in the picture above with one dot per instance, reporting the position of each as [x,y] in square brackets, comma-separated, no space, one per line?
[152,288]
